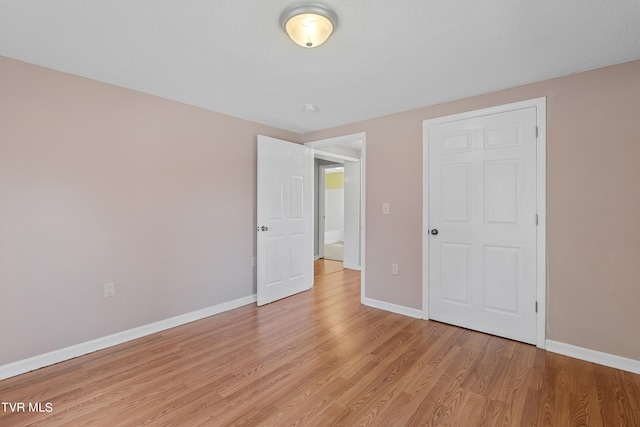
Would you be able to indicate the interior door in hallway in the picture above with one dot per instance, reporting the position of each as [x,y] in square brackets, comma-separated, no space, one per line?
[482,223]
[285,219]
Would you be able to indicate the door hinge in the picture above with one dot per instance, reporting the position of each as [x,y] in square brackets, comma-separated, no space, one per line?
[536,219]
[536,131]
[536,306]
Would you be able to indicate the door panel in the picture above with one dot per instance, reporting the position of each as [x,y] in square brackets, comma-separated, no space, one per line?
[501,279]
[274,197]
[297,258]
[455,272]
[296,186]
[285,221]
[501,191]
[482,201]
[274,256]
[455,187]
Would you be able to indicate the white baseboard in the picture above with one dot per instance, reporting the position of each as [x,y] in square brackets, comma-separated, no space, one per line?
[351,266]
[40,361]
[594,356]
[393,308]
[581,353]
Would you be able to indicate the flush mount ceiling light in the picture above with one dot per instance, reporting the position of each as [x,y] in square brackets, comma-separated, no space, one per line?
[308,24]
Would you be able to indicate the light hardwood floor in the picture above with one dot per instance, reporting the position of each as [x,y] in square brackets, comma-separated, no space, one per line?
[321,359]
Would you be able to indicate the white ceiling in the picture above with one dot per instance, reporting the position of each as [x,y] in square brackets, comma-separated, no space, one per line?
[231,56]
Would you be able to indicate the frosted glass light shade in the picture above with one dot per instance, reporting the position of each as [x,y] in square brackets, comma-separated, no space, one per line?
[308,25]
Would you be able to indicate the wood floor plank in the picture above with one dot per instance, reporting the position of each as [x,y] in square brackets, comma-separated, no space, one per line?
[321,358]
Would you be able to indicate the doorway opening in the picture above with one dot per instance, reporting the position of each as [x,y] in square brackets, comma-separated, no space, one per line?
[331,215]
[345,154]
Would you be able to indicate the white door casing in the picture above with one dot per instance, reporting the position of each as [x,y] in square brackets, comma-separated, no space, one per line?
[320,211]
[484,194]
[284,219]
[352,215]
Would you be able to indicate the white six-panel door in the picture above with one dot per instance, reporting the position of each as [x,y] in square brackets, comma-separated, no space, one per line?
[284,219]
[482,270]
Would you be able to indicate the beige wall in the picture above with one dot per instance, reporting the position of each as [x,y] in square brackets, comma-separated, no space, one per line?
[100,184]
[593,203]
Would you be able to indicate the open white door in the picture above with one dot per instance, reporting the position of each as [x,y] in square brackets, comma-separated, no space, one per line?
[285,219]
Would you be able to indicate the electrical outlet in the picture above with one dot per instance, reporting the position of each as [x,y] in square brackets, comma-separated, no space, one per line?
[109,289]
[386,208]
[394,269]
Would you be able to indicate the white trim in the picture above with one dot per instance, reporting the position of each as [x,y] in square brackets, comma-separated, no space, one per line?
[351,266]
[337,140]
[393,308]
[425,220]
[541,161]
[361,136]
[322,188]
[56,356]
[594,356]
[541,235]
[333,157]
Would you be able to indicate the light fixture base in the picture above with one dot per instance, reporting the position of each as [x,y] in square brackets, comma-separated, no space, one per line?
[308,24]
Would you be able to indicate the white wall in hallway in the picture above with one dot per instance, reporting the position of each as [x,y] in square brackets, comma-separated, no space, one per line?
[334,211]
